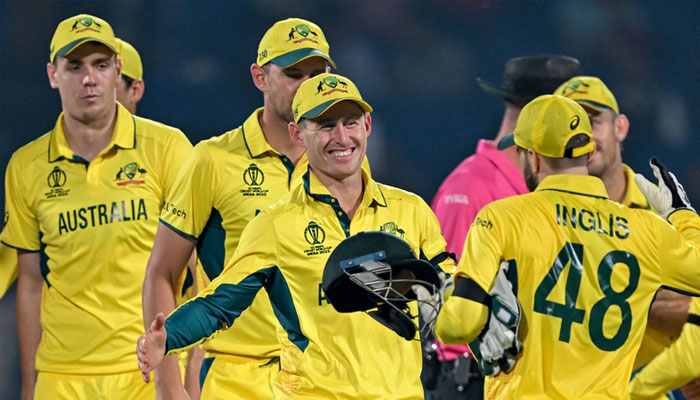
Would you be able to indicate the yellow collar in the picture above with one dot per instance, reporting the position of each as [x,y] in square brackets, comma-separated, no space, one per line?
[633,196]
[316,189]
[586,185]
[253,135]
[124,136]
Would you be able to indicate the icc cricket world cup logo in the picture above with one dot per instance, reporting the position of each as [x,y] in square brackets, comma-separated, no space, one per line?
[56,178]
[314,234]
[253,176]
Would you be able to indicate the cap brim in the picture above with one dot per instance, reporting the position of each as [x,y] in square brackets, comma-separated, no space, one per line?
[507,141]
[594,106]
[499,91]
[67,49]
[323,107]
[293,57]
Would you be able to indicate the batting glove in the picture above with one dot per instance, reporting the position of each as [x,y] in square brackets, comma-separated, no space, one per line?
[499,345]
[429,304]
[669,196]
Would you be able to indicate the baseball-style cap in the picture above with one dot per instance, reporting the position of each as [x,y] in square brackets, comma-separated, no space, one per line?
[74,31]
[131,61]
[546,125]
[316,95]
[590,92]
[289,41]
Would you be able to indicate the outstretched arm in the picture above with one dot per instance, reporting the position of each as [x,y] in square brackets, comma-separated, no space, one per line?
[150,348]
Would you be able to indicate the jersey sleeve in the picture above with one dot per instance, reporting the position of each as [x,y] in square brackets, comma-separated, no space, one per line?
[483,250]
[252,266]
[176,152]
[677,365]
[21,224]
[432,242]
[681,246]
[189,200]
[8,268]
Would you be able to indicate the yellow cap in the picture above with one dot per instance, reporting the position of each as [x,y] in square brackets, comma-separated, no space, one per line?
[546,125]
[316,95]
[590,92]
[77,30]
[292,40]
[131,61]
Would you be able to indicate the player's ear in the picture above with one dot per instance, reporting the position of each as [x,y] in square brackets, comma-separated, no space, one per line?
[51,72]
[295,134]
[138,87]
[368,123]
[259,77]
[622,126]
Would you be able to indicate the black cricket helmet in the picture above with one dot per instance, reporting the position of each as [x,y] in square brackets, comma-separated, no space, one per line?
[373,271]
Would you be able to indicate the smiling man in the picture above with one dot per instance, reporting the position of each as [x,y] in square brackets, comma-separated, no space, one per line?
[82,206]
[324,354]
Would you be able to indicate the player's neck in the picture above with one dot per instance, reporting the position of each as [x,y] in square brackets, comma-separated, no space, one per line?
[347,191]
[615,182]
[88,138]
[276,133]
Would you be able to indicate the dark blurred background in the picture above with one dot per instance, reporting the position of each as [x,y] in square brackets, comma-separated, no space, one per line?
[414,61]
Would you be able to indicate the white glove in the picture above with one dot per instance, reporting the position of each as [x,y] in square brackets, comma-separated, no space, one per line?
[429,304]
[499,345]
[669,196]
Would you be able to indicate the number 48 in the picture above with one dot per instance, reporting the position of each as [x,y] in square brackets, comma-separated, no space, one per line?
[573,253]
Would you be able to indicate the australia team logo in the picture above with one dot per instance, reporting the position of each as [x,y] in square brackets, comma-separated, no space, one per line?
[56,180]
[131,174]
[574,86]
[253,176]
[303,31]
[330,84]
[391,227]
[87,23]
[315,236]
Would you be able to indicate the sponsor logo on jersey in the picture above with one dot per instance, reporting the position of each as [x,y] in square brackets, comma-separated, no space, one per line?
[482,222]
[254,177]
[130,174]
[102,214]
[330,84]
[303,31]
[391,227]
[56,179]
[315,236]
[178,212]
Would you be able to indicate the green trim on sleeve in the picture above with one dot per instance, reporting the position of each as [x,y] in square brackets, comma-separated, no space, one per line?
[181,233]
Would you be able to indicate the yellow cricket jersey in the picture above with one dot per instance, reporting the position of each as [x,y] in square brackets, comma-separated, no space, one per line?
[675,366]
[587,271]
[325,354]
[94,224]
[225,182]
[8,268]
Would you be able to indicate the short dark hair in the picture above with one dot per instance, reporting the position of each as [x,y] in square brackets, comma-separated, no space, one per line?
[128,81]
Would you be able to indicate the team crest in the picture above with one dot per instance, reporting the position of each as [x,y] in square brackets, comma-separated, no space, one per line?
[56,179]
[331,82]
[129,174]
[391,227]
[302,30]
[87,22]
[573,87]
[315,236]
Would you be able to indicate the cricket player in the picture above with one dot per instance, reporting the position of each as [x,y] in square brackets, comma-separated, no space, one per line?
[226,182]
[669,310]
[129,92]
[586,267]
[131,86]
[325,354]
[82,206]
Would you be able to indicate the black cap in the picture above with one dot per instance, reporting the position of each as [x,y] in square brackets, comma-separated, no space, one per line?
[528,77]
[348,296]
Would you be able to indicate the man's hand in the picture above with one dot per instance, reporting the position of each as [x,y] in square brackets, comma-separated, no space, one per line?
[669,196]
[499,345]
[691,391]
[150,348]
